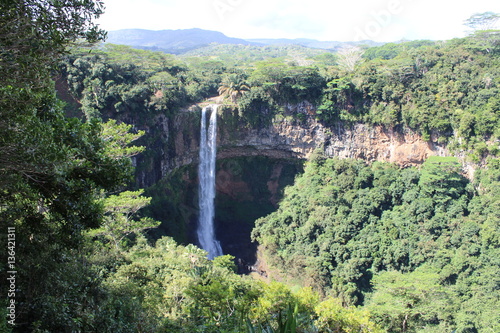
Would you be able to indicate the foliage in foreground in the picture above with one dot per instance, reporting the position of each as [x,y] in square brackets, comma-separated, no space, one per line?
[52,169]
[169,287]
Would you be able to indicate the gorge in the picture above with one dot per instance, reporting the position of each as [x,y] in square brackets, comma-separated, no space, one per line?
[255,164]
[103,181]
[287,137]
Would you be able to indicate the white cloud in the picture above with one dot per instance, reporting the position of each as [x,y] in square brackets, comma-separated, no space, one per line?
[343,20]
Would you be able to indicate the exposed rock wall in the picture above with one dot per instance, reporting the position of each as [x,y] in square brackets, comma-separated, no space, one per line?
[289,136]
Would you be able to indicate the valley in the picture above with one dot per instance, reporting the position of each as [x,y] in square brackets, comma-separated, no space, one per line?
[186,181]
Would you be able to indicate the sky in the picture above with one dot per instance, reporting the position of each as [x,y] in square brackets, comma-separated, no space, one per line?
[325,20]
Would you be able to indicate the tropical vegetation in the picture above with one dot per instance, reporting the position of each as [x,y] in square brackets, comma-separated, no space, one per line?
[353,246]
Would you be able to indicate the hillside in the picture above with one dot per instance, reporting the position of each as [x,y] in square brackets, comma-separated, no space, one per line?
[184,40]
[171,41]
[312,43]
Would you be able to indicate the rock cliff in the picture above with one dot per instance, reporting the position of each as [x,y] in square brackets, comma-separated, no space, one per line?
[255,164]
[287,136]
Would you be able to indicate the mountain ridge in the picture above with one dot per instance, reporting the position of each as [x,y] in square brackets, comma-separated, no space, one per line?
[184,40]
[171,41]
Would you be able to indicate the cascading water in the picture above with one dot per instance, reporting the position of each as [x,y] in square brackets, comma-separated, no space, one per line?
[206,174]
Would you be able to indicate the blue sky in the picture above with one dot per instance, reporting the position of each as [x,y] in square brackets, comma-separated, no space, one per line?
[347,20]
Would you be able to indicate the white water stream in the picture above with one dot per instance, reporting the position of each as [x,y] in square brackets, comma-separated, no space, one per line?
[206,174]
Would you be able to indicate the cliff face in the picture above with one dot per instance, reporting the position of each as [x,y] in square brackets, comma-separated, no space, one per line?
[254,166]
[290,136]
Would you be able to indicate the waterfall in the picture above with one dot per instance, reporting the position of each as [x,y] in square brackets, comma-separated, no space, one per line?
[206,174]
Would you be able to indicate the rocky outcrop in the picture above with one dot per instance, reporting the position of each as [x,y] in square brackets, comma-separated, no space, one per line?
[288,136]
[375,143]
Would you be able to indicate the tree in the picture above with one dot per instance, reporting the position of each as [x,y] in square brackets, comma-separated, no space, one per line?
[256,107]
[349,57]
[441,176]
[233,86]
[268,75]
[333,317]
[485,31]
[120,220]
[409,302]
[118,139]
[51,200]
[483,21]
[52,167]
[34,33]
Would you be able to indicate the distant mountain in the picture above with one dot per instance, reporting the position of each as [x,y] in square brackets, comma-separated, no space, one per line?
[171,41]
[185,40]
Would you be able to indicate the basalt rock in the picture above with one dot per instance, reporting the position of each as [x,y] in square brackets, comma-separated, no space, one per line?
[295,133]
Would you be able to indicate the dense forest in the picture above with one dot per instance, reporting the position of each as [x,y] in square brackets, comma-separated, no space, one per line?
[447,89]
[352,247]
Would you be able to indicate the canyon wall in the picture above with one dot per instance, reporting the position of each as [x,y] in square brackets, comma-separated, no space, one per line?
[255,164]
[295,133]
